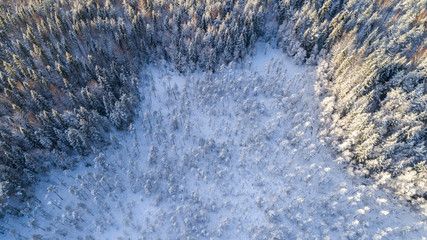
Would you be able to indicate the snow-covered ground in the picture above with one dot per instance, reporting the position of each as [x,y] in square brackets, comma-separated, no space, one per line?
[229,155]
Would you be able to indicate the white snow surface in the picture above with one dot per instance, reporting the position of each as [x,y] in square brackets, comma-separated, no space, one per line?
[238,157]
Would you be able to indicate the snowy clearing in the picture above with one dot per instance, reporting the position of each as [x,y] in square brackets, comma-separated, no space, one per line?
[229,155]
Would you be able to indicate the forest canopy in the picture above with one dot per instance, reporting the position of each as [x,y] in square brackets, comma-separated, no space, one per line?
[70,73]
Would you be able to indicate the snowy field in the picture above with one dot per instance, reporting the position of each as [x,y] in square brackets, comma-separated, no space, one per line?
[229,155]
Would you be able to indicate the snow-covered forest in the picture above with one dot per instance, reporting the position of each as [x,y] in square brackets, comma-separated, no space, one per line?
[158,119]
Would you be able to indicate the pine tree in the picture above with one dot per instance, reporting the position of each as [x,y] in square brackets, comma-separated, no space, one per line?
[77,141]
